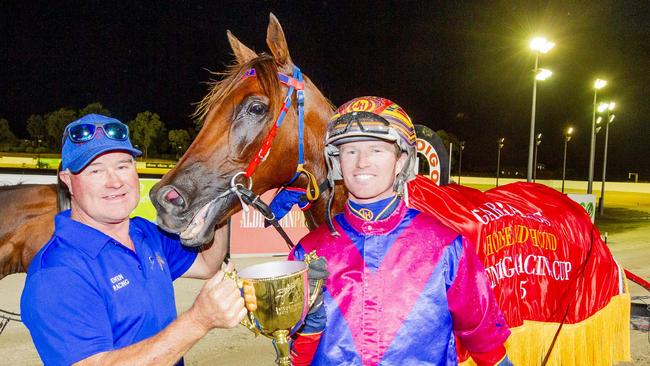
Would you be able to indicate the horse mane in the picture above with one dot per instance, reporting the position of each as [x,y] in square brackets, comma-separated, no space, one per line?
[265,73]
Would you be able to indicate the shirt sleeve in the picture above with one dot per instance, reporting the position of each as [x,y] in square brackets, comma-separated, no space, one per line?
[66,316]
[179,257]
[477,319]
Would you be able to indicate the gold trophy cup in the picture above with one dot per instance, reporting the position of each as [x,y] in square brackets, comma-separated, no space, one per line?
[283,301]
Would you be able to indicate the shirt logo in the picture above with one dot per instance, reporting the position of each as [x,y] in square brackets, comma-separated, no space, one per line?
[366,214]
[119,282]
[161,262]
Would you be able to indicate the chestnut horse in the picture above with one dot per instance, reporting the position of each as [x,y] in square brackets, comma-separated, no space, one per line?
[205,171]
[27,213]
[549,303]
[237,114]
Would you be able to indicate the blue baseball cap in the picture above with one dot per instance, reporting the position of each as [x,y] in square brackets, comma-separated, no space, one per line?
[75,156]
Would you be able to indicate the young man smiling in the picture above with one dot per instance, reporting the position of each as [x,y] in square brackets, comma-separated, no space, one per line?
[402,287]
[100,291]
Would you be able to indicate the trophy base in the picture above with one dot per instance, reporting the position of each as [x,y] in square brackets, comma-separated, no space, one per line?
[281,344]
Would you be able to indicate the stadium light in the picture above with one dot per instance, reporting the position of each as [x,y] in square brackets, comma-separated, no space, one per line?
[539,45]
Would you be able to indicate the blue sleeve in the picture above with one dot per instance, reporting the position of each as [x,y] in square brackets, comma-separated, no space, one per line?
[179,257]
[315,321]
[452,255]
[477,320]
[66,316]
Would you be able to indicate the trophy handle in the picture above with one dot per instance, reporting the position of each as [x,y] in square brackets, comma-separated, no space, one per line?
[249,321]
[318,289]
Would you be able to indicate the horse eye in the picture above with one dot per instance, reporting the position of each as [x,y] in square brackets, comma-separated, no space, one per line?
[257,108]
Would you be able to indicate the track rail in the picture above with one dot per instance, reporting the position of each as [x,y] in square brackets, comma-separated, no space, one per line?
[637,279]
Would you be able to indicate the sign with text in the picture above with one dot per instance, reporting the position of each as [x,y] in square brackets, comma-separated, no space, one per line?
[249,236]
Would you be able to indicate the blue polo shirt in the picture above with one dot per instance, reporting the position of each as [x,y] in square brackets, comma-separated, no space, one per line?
[86,293]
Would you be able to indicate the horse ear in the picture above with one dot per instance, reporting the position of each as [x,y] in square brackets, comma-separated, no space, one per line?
[242,53]
[277,42]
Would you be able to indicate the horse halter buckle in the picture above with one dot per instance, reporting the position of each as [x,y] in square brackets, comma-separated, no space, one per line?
[237,187]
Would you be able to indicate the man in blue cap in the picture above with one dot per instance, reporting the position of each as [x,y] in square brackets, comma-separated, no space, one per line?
[100,291]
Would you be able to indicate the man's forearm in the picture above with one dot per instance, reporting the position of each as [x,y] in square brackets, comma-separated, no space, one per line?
[214,255]
[165,348]
[209,260]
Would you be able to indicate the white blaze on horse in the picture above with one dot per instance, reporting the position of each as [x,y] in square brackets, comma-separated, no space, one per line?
[558,286]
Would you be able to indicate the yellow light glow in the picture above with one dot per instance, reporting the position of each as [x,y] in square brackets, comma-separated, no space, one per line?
[600,83]
[602,107]
[541,44]
[569,131]
[543,74]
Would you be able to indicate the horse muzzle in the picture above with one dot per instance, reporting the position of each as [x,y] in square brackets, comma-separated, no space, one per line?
[170,199]
[195,225]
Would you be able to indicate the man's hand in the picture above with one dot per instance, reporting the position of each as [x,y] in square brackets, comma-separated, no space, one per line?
[219,304]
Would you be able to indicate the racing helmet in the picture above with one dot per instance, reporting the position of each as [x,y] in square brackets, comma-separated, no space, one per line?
[369,118]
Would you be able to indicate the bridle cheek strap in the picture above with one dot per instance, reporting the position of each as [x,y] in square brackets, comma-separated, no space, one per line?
[294,83]
[246,196]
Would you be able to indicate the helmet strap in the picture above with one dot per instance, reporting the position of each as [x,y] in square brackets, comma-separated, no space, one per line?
[404,175]
[330,224]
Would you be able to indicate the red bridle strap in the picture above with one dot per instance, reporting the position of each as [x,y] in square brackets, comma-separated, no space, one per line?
[294,83]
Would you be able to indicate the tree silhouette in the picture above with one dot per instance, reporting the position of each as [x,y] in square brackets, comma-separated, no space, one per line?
[447,137]
[96,108]
[145,129]
[55,123]
[36,127]
[7,137]
[179,140]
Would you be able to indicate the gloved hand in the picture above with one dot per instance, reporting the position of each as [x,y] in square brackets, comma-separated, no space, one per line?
[306,340]
[317,271]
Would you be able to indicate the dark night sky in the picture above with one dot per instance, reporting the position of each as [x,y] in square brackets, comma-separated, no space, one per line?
[437,59]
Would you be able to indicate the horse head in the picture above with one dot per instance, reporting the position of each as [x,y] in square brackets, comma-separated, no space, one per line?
[238,114]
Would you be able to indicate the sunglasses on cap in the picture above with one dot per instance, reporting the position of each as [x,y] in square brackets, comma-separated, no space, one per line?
[85,132]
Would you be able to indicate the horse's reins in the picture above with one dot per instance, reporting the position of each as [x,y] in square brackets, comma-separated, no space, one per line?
[245,193]
[6,317]
[566,312]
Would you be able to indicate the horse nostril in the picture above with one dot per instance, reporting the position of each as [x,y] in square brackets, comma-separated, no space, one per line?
[175,198]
